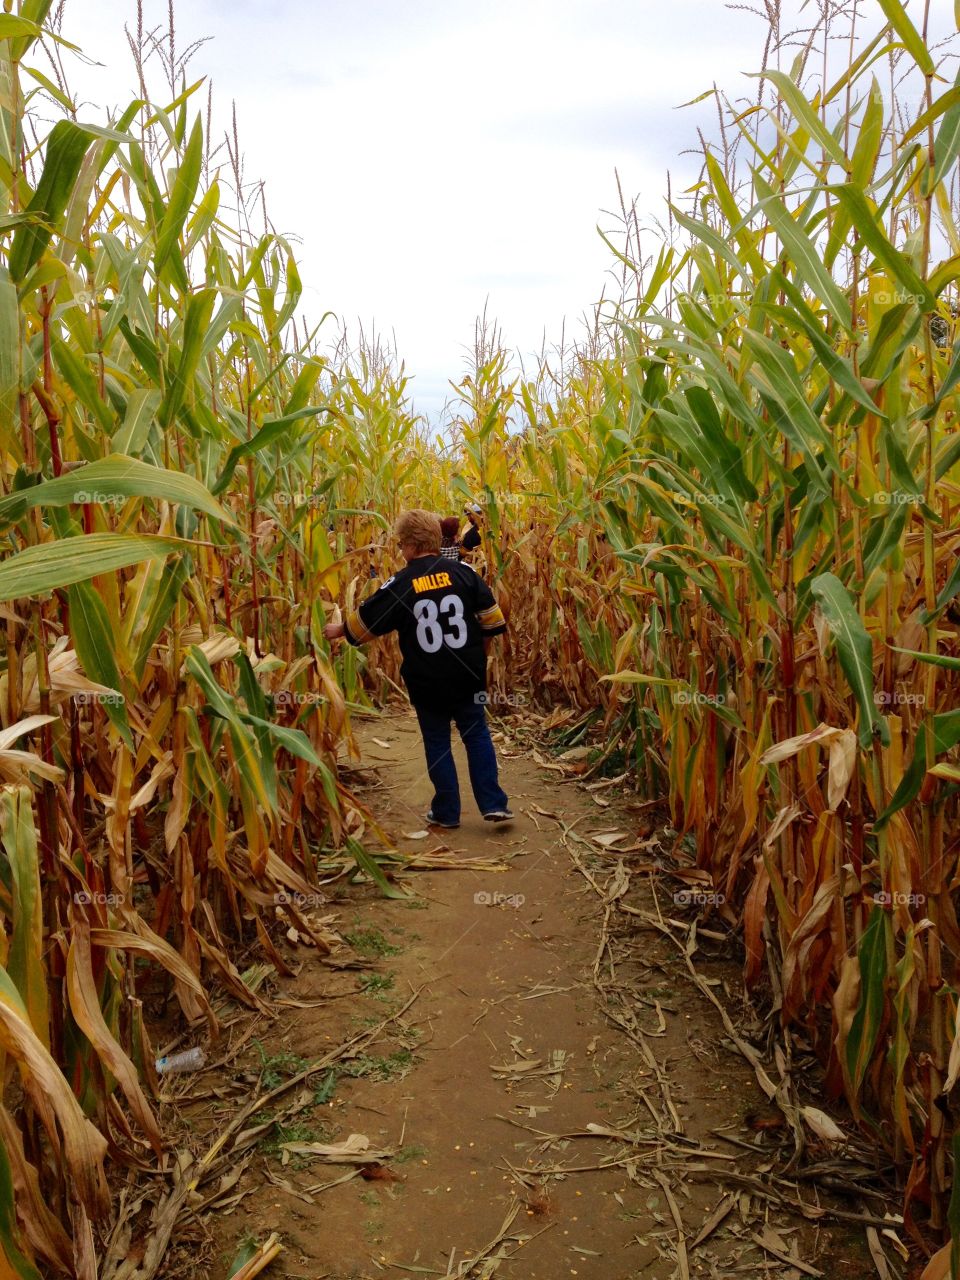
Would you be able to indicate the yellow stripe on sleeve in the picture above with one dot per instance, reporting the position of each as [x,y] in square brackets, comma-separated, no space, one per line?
[357,633]
[491,619]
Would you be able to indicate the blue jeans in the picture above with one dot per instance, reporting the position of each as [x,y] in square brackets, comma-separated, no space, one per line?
[471,721]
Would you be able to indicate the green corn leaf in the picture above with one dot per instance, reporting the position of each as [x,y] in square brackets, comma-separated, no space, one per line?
[900,473]
[728,458]
[20,1266]
[867,1020]
[803,320]
[147,187]
[294,288]
[142,406]
[294,740]
[49,87]
[143,348]
[11,26]
[81,380]
[110,479]
[305,382]
[66,147]
[204,216]
[94,640]
[805,257]
[885,537]
[950,380]
[947,456]
[805,114]
[951,588]
[230,313]
[946,147]
[780,381]
[706,235]
[9,370]
[854,650]
[181,198]
[68,560]
[25,960]
[932,659]
[861,63]
[164,597]
[370,867]
[946,735]
[268,434]
[869,138]
[908,33]
[198,315]
[256,771]
[34,12]
[896,263]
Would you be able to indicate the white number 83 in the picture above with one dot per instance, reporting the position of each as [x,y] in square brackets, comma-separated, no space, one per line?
[430,633]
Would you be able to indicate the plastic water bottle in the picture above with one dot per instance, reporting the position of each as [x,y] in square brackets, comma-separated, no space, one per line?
[188,1060]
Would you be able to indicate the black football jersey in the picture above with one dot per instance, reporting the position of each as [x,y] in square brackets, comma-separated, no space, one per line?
[441,611]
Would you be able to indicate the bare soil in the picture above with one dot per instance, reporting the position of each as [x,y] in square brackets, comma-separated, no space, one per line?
[517,966]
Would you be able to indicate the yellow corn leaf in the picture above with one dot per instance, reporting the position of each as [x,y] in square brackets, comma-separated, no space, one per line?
[178,811]
[42,1231]
[842,762]
[218,648]
[817,918]
[76,1144]
[751,782]
[18,766]
[85,1006]
[66,678]
[25,958]
[938,1268]
[790,746]
[141,938]
[261,1259]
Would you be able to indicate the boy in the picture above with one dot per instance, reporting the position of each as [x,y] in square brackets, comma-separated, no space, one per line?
[444,616]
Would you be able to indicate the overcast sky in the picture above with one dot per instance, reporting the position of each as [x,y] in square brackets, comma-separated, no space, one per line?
[429,155]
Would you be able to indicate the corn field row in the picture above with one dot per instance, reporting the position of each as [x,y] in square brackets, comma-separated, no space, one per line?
[725,530]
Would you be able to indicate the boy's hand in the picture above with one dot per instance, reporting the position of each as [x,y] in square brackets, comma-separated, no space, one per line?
[334,631]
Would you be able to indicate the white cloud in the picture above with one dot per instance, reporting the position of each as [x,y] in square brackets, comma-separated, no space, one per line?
[433,153]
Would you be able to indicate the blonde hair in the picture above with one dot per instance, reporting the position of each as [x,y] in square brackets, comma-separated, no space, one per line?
[422,528]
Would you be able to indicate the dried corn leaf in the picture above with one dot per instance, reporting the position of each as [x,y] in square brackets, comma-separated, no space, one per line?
[822,1125]
[353,1150]
[790,746]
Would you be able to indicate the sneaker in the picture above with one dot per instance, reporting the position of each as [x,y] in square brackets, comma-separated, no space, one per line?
[498,815]
[433,822]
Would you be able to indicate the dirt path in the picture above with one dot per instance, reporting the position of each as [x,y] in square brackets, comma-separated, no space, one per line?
[505,963]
